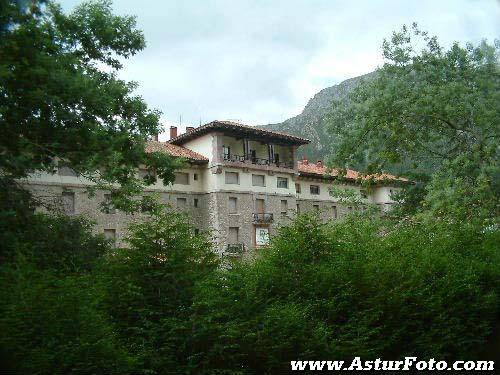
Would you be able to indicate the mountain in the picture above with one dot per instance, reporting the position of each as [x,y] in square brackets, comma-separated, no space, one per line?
[312,122]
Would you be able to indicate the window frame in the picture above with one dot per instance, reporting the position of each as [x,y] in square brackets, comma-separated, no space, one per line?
[281,179]
[311,188]
[263,179]
[226,173]
[229,205]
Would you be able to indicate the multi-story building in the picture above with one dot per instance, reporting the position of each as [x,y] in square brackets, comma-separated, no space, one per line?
[240,183]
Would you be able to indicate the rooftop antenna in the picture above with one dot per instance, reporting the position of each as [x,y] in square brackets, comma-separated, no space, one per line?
[180,120]
[200,120]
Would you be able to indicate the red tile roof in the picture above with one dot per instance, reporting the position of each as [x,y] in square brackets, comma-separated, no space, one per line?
[240,128]
[318,169]
[174,150]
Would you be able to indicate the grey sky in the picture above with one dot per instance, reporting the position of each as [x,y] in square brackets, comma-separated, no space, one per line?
[261,61]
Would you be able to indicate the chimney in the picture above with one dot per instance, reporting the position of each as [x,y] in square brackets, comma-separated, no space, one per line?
[319,163]
[173,132]
[189,129]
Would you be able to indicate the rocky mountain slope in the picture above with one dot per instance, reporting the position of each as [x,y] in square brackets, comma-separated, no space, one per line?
[312,122]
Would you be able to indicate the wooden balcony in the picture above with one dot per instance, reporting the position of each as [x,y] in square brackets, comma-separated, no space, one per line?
[257,161]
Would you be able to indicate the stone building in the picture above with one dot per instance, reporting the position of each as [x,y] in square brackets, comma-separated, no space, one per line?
[240,183]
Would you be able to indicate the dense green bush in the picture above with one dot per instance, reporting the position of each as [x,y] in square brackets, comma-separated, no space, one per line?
[51,324]
[355,288]
[359,287]
[149,288]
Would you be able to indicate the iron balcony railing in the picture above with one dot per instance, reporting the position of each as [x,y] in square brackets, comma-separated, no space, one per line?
[261,217]
[257,161]
[235,249]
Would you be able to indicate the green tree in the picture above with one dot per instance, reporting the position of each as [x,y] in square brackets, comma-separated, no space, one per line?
[350,288]
[149,289]
[430,110]
[61,100]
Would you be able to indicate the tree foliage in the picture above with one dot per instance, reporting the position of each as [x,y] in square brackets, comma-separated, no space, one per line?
[432,110]
[61,100]
[345,290]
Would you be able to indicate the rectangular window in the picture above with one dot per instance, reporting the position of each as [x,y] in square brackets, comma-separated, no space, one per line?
[284,207]
[258,180]
[195,202]
[196,231]
[260,206]
[316,207]
[334,212]
[282,183]
[232,178]
[181,202]
[297,188]
[181,178]
[195,176]
[64,170]
[108,206]
[146,204]
[232,205]
[68,202]
[298,208]
[314,189]
[110,234]
[226,152]
[145,173]
[234,234]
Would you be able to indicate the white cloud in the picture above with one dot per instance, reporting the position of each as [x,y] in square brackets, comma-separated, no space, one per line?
[261,62]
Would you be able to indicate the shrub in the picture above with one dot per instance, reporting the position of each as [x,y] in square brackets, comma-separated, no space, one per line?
[353,288]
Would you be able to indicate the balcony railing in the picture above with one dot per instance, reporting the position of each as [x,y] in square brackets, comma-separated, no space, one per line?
[235,249]
[257,161]
[262,217]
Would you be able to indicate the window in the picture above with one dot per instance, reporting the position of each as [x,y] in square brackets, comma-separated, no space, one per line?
[260,206]
[314,189]
[108,205]
[195,202]
[146,204]
[110,234]
[196,231]
[297,188]
[195,176]
[282,182]
[233,205]
[64,170]
[334,212]
[232,178]
[258,180]
[181,178]
[298,208]
[316,207]
[284,207]
[226,152]
[277,158]
[145,173]
[181,202]
[68,202]
[234,234]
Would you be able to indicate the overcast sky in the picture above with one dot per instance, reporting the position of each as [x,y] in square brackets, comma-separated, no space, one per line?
[261,61]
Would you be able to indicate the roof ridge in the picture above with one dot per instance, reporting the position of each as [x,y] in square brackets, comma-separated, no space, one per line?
[235,125]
